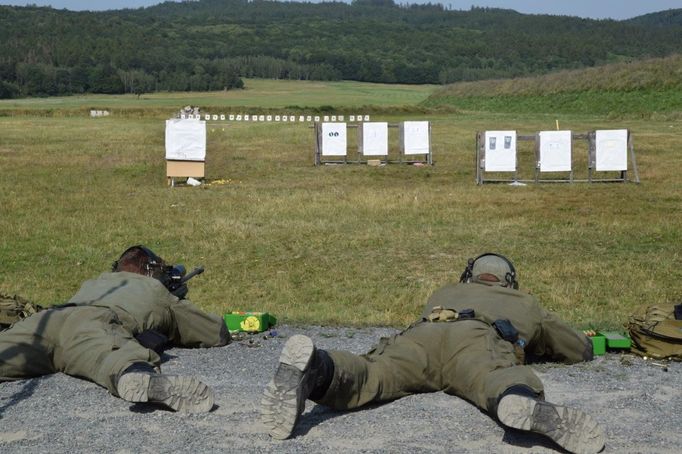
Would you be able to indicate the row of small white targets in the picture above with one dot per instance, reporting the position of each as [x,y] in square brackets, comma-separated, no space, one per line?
[277,118]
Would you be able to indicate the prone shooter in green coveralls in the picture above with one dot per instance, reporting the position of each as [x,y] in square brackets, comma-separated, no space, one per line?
[472,342]
[109,331]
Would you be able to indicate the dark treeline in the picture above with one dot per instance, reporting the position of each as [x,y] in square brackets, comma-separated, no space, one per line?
[211,44]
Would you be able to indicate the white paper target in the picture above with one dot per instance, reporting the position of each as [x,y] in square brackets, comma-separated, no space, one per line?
[500,151]
[416,137]
[555,151]
[186,140]
[375,139]
[334,141]
[611,149]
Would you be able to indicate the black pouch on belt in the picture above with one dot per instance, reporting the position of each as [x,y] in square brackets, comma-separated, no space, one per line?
[506,330]
[467,314]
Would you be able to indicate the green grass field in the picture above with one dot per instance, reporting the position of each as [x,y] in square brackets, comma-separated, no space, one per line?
[645,88]
[352,245]
[258,93]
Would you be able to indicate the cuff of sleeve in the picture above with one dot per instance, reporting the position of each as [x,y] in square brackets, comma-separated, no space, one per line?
[224,335]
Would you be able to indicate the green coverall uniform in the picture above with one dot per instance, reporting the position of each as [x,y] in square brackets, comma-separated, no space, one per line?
[93,335]
[465,358]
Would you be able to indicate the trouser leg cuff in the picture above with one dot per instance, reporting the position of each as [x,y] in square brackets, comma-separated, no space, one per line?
[329,396]
[323,367]
[519,390]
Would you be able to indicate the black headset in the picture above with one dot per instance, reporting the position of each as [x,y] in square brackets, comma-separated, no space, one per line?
[154,261]
[509,277]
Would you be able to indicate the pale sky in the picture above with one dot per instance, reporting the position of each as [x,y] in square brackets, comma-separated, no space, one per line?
[596,9]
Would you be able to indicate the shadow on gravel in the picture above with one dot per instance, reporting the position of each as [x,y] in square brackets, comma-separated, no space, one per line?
[165,357]
[144,408]
[320,414]
[528,440]
[25,393]
[512,437]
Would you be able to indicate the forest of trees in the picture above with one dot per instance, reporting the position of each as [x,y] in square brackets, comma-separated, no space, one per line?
[212,44]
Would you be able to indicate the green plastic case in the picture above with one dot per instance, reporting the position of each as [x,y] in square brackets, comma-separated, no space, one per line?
[616,340]
[598,344]
[250,322]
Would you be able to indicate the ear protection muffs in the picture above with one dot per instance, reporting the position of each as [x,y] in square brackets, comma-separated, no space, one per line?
[468,271]
[509,277]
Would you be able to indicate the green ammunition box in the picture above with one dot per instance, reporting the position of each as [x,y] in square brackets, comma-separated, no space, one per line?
[250,322]
[598,344]
[616,340]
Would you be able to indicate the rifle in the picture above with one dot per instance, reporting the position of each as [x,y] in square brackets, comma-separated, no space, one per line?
[175,279]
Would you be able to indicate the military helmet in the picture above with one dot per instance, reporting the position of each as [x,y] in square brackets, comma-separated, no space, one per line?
[491,264]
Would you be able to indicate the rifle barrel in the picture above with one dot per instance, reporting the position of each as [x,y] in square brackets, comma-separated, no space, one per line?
[190,275]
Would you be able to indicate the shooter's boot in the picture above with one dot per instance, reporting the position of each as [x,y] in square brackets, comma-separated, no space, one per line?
[570,428]
[142,383]
[303,372]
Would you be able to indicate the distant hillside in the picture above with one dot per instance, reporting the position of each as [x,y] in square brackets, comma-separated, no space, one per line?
[646,86]
[671,17]
[211,44]
[659,73]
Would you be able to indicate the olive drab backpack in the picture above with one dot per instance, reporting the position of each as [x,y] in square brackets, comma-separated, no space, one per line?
[14,308]
[656,331]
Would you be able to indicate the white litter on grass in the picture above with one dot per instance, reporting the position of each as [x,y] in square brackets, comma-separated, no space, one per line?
[192,182]
[517,183]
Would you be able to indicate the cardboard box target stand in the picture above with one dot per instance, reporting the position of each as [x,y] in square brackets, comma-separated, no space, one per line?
[185,148]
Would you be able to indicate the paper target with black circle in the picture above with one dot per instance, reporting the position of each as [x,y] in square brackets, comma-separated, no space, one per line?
[334,140]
